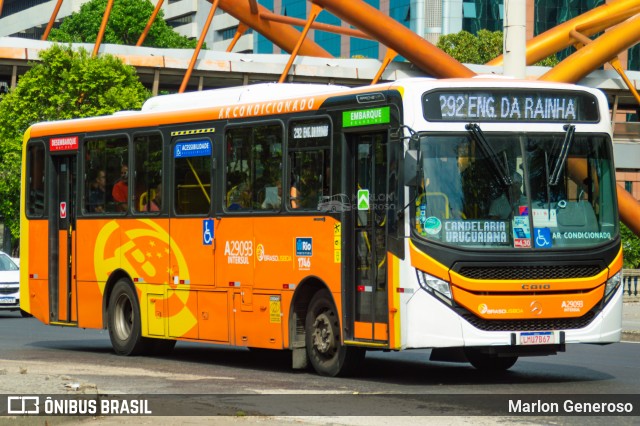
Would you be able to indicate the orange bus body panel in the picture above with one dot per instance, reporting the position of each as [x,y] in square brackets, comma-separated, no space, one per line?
[239,291]
[522,307]
[517,286]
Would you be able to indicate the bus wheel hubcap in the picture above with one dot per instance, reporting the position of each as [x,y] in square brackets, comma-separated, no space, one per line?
[323,338]
[124,318]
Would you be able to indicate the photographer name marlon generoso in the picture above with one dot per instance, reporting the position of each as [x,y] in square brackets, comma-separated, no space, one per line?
[569,407]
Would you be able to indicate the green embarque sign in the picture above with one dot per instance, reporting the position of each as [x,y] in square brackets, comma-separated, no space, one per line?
[365,117]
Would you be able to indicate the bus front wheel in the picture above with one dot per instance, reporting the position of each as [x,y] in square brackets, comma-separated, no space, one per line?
[328,356]
[485,362]
[124,320]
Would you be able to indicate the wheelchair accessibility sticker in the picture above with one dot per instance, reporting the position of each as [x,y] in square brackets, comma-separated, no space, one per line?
[542,238]
[207,232]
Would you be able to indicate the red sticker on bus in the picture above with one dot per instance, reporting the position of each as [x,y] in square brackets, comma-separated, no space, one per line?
[63,209]
[63,144]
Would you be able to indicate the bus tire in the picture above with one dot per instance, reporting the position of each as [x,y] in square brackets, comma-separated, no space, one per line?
[488,363]
[328,356]
[124,321]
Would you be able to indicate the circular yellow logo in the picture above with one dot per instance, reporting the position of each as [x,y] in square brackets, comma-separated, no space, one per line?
[260,252]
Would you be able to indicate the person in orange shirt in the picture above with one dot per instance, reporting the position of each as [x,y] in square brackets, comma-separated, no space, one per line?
[120,191]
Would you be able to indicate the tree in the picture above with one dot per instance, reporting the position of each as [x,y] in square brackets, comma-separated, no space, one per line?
[127,21]
[480,49]
[65,84]
[630,248]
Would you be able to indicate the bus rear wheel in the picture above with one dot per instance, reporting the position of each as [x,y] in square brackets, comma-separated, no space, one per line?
[124,320]
[486,362]
[327,354]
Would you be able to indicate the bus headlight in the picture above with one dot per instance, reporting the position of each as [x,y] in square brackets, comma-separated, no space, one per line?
[612,285]
[435,286]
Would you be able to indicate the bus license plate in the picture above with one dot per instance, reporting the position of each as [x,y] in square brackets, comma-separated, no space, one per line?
[537,338]
[4,300]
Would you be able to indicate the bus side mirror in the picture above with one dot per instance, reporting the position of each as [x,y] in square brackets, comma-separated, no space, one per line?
[411,167]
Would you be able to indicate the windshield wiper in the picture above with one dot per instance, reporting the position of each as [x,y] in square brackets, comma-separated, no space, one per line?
[570,129]
[501,171]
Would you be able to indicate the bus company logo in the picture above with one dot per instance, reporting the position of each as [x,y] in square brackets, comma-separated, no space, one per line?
[484,309]
[536,308]
[142,246]
[260,252]
[572,305]
[261,256]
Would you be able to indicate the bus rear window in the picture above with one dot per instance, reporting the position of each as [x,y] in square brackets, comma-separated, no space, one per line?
[35,180]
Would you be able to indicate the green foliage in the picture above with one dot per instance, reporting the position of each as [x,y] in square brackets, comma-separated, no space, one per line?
[126,23]
[462,46]
[630,248]
[480,49]
[65,84]
[550,61]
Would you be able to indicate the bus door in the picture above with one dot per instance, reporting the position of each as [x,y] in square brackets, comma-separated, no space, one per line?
[366,222]
[62,226]
[192,239]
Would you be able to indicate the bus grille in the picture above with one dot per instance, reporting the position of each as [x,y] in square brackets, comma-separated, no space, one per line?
[531,325]
[533,272]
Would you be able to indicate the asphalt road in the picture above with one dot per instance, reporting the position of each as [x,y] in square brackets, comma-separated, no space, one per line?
[38,359]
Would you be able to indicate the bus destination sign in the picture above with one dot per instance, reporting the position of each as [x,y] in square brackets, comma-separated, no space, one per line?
[510,105]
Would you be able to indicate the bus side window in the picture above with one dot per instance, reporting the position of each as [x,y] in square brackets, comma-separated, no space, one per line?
[105,157]
[253,167]
[310,166]
[147,173]
[35,184]
[192,176]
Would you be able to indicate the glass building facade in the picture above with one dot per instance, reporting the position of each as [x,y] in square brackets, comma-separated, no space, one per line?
[333,43]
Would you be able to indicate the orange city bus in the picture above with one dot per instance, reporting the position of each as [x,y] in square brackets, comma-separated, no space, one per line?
[474,217]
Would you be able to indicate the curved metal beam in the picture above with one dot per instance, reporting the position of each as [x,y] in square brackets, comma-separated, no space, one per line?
[282,35]
[589,23]
[596,53]
[396,36]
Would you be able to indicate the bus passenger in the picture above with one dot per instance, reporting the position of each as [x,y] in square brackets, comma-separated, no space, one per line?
[120,191]
[97,195]
[293,196]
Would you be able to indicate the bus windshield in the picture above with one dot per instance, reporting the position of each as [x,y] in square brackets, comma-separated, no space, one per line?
[517,190]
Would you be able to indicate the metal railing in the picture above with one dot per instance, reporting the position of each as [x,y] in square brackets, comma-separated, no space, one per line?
[630,278]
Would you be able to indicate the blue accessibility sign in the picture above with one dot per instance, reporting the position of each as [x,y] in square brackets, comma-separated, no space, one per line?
[201,148]
[207,232]
[542,238]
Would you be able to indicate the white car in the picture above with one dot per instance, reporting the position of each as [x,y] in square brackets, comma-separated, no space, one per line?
[9,284]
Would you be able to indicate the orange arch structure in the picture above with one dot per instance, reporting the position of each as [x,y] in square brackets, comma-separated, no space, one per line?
[589,23]
[282,35]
